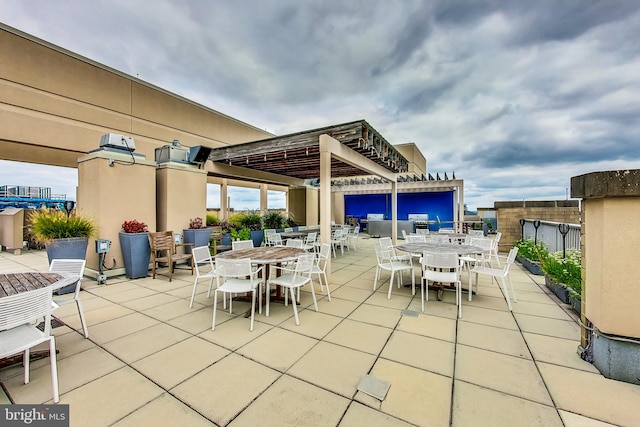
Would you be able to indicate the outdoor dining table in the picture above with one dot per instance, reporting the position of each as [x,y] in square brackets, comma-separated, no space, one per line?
[265,256]
[15,283]
[440,247]
[456,248]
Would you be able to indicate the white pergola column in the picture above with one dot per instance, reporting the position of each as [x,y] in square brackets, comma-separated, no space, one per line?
[224,208]
[264,199]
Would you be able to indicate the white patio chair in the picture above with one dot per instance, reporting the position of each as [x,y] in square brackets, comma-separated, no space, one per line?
[500,273]
[476,233]
[320,266]
[310,242]
[241,244]
[239,277]
[294,278]
[386,242]
[441,267]
[201,260]
[495,248]
[276,240]
[483,259]
[352,237]
[295,243]
[268,236]
[336,240]
[389,262]
[75,266]
[288,230]
[423,231]
[19,333]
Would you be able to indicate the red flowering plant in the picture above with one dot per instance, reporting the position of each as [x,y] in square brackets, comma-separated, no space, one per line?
[196,224]
[134,226]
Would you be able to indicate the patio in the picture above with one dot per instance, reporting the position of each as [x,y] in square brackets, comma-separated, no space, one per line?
[150,360]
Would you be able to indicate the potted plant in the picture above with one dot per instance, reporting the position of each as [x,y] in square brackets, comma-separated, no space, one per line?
[530,254]
[274,220]
[136,253]
[563,275]
[243,233]
[64,236]
[197,234]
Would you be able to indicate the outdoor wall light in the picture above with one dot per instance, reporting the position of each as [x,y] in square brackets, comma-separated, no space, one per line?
[68,206]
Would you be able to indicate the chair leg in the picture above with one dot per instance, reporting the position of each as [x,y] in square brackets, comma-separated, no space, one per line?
[215,303]
[25,362]
[83,322]
[375,279]
[295,309]
[54,369]
[506,293]
[513,291]
[327,282]
[313,295]
[268,293]
[390,284]
[253,307]
[193,292]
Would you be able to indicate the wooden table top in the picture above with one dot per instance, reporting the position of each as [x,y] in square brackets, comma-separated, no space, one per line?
[15,283]
[264,254]
[439,247]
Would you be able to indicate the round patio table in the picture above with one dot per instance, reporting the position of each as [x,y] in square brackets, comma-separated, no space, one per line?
[456,248]
[440,247]
[265,255]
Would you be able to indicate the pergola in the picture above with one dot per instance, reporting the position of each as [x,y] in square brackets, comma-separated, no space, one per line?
[349,149]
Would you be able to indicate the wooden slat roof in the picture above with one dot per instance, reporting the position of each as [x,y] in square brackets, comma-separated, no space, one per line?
[297,155]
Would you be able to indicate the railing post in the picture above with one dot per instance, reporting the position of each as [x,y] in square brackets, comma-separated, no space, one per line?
[536,225]
[564,229]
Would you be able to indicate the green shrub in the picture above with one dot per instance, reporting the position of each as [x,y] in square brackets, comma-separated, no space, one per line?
[212,220]
[273,220]
[564,270]
[243,233]
[49,224]
[534,252]
[252,221]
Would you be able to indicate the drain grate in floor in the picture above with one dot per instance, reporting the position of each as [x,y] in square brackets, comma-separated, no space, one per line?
[55,323]
[410,313]
[374,387]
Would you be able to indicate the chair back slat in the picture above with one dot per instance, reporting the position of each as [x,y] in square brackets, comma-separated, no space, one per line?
[26,307]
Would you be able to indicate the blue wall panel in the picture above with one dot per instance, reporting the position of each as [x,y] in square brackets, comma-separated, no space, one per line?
[433,203]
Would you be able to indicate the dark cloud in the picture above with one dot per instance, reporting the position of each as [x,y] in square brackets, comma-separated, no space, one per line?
[513,96]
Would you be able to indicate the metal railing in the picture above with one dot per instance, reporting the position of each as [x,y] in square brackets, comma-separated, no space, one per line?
[551,234]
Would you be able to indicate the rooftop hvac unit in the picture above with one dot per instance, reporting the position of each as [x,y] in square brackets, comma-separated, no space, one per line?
[117,142]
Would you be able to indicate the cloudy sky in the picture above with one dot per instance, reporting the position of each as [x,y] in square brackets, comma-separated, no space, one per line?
[516,97]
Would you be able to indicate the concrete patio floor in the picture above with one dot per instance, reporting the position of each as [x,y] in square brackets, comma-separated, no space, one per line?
[152,361]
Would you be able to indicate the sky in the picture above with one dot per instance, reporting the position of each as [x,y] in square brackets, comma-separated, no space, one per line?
[515,97]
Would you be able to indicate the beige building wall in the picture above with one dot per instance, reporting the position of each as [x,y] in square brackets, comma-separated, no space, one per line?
[112,195]
[55,105]
[417,161]
[181,195]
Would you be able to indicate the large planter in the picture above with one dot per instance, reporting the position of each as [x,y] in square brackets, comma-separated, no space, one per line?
[135,253]
[196,236]
[575,299]
[257,237]
[532,266]
[559,289]
[69,248]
